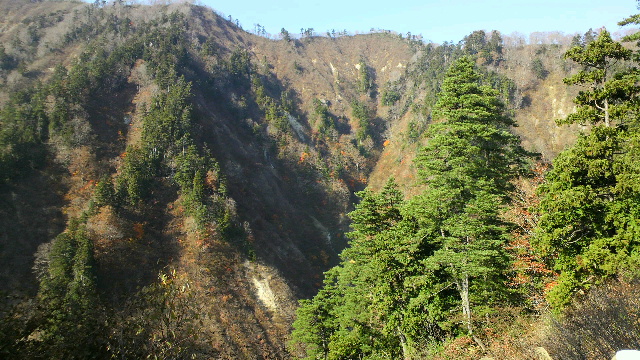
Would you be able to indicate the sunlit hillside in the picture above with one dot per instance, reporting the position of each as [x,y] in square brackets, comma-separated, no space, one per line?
[172,185]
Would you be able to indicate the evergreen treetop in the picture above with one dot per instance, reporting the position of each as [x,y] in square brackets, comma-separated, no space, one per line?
[607,92]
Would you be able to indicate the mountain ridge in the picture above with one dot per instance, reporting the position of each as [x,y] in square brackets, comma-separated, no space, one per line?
[278,199]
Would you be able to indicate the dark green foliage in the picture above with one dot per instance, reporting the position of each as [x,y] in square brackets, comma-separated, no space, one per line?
[275,112]
[588,208]
[198,178]
[308,32]
[576,41]
[362,114]
[23,130]
[538,69]
[31,118]
[53,119]
[209,48]
[411,266]
[167,122]
[136,177]
[608,93]
[390,97]
[167,147]
[96,71]
[287,102]
[166,133]
[376,212]
[364,309]
[262,98]
[188,163]
[415,130]
[315,323]
[633,19]
[165,47]
[322,121]
[285,35]
[468,163]
[105,193]
[495,46]
[589,37]
[429,70]
[240,64]
[506,88]
[7,62]
[475,42]
[276,117]
[489,51]
[365,82]
[71,326]
[588,223]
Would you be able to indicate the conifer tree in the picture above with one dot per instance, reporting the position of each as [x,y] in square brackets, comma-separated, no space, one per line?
[589,204]
[467,164]
[381,257]
[364,308]
[68,296]
[364,79]
[606,93]
[315,321]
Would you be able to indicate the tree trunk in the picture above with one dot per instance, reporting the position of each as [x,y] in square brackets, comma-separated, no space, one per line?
[325,347]
[606,112]
[463,288]
[403,342]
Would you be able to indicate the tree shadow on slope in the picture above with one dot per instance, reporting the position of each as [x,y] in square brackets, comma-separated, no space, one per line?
[134,245]
[30,215]
[281,202]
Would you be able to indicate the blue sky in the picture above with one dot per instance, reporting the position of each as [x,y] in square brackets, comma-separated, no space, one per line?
[437,21]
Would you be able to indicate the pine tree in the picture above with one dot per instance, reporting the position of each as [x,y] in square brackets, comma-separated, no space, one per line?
[607,92]
[467,164]
[168,120]
[381,257]
[71,328]
[365,308]
[105,193]
[364,78]
[589,204]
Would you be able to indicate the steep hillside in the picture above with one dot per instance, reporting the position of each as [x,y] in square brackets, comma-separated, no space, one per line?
[535,98]
[203,167]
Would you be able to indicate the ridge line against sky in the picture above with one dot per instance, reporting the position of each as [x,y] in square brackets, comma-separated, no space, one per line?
[436,21]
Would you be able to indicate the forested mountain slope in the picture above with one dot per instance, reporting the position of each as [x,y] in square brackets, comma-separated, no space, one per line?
[171,184]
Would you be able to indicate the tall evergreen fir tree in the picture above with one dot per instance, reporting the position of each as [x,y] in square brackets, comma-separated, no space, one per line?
[381,258]
[315,322]
[467,164]
[410,265]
